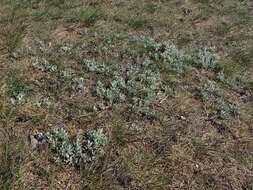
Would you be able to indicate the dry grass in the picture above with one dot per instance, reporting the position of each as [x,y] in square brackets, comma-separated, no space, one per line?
[183,141]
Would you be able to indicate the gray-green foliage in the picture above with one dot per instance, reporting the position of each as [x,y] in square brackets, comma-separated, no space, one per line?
[45,101]
[44,66]
[205,58]
[83,148]
[78,84]
[175,59]
[17,89]
[212,95]
[221,77]
[233,83]
[95,141]
[97,67]
[210,92]
[137,85]
[172,58]
[229,82]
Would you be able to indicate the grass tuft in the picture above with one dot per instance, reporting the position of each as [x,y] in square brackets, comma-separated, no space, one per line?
[88,15]
[13,158]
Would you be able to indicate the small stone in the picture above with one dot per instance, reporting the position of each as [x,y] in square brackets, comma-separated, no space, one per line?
[34,142]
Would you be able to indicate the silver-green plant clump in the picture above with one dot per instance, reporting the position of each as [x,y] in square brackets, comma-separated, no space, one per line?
[137,85]
[205,58]
[174,59]
[212,95]
[83,148]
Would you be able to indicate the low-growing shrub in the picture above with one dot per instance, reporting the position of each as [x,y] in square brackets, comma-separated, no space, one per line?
[173,58]
[204,58]
[137,85]
[84,148]
[212,96]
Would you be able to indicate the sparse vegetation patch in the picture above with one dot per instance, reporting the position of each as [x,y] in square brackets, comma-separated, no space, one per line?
[99,94]
[84,148]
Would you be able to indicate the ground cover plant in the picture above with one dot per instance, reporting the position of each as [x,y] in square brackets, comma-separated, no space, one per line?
[126,94]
